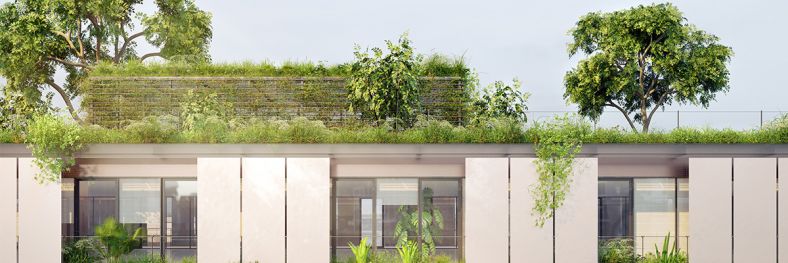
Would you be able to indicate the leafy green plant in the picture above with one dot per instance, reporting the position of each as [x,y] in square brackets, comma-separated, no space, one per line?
[409,252]
[617,251]
[408,224]
[668,254]
[556,143]
[81,251]
[115,241]
[500,100]
[195,107]
[153,129]
[53,142]
[385,86]
[361,252]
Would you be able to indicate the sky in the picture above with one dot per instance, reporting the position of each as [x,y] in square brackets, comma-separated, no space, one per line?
[500,39]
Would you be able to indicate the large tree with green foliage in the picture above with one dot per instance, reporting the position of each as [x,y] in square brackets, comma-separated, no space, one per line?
[641,59]
[38,37]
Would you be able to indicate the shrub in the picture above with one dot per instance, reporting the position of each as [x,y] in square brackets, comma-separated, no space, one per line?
[302,130]
[152,129]
[115,241]
[53,142]
[668,254]
[617,251]
[81,251]
[500,100]
[207,129]
[386,85]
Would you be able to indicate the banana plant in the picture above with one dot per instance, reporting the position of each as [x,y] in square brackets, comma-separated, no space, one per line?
[409,252]
[361,252]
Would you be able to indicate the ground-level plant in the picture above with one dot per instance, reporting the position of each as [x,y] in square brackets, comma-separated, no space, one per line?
[668,254]
[409,252]
[361,253]
[619,250]
[115,241]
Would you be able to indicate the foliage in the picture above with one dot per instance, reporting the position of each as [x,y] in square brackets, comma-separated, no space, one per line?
[81,251]
[500,100]
[386,86]
[362,251]
[115,241]
[408,224]
[555,144]
[199,106]
[161,129]
[617,251]
[53,142]
[640,60]
[148,258]
[668,254]
[409,252]
[16,110]
[40,37]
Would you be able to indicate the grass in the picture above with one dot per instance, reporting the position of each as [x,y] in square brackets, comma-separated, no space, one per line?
[432,66]
[303,131]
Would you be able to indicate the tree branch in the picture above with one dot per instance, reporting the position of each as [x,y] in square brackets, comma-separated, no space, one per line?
[647,122]
[154,54]
[629,120]
[126,42]
[66,99]
[70,63]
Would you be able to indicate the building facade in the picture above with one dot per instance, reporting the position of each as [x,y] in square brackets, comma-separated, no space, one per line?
[305,203]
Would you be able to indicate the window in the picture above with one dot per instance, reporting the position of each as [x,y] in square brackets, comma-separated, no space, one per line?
[165,209]
[644,210]
[388,210]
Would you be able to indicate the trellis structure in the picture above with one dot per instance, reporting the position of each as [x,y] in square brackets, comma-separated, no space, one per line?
[114,101]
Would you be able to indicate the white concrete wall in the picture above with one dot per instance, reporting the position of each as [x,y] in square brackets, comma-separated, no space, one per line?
[782,167]
[486,209]
[8,209]
[529,243]
[39,216]
[755,209]
[308,210]
[710,209]
[576,228]
[263,200]
[219,209]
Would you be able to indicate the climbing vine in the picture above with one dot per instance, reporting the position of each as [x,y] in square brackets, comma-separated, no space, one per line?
[53,142]
[556,143]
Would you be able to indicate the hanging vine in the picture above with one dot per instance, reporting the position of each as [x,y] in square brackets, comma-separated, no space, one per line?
[556,143]
[53,142]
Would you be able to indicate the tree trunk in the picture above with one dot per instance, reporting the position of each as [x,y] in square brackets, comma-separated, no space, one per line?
[66,99]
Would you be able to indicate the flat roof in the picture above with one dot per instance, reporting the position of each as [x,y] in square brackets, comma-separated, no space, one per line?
[406,150]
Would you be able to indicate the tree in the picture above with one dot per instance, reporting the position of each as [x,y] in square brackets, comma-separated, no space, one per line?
[501,100]
[640,60]
[38,37]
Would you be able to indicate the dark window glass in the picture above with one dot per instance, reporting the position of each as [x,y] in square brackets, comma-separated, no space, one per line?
[97,201]
[615,208]
[180,219]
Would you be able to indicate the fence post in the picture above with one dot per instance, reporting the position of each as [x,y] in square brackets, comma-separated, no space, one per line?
[761,119]
[678,119]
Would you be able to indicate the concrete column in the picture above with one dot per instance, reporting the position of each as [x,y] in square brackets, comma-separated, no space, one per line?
[39,216]
[529,243]
[710,189]
[263,200]
[219,209]
[755,209]
[782,210]
[308,210]
[486,210]
[576,228]
[8,209]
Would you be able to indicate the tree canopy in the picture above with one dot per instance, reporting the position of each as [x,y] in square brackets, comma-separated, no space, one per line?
[641,59]
[39,37]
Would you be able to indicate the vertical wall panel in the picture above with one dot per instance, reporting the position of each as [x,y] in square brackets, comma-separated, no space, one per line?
[782,210]
[219,209]
[8,209]
[39,216]
[710,209]
[529,243]
[308,210]
[576,228]
[486,209]
[263,200]
[754,209]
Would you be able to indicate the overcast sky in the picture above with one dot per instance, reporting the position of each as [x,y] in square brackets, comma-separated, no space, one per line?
[501,39]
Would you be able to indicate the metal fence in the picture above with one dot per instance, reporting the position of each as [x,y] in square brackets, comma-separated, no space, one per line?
[669,120]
